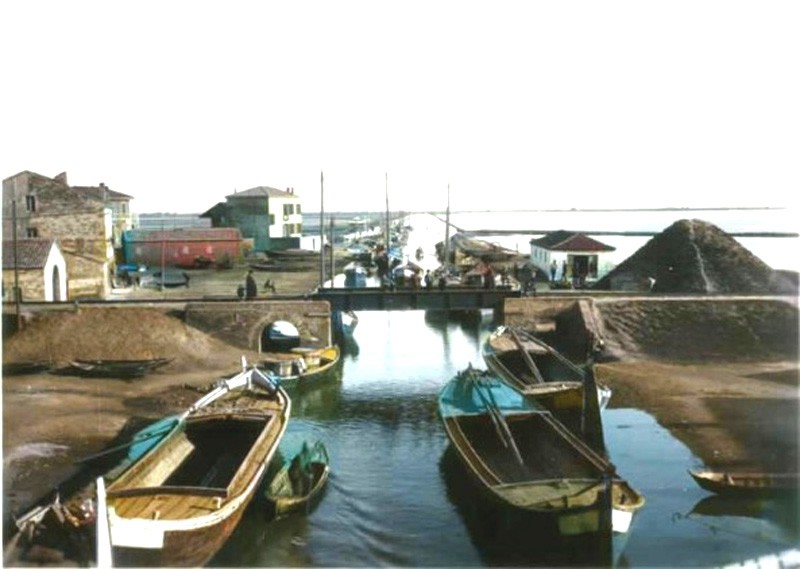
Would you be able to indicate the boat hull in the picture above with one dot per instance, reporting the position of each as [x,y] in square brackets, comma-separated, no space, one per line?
[562,387]
[317,364]
[285,505]
[524,458]
[186,548]
[182,500]
[751,485]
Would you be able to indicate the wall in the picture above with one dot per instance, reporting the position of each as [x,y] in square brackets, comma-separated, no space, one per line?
[31,283]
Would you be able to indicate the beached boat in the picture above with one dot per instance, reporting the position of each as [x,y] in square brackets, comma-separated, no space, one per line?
[540,372]
[300,482]
[113,368]
[179,503]
[26,367]
[747,484]
[528,461]
[62,522]
[300,363]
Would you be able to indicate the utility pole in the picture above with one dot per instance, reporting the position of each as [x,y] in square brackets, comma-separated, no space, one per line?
[16,268]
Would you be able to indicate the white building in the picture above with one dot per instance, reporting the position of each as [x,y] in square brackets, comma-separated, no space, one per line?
[38,267]
[568,256]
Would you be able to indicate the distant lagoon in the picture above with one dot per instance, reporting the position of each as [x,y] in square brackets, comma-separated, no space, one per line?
[777,252]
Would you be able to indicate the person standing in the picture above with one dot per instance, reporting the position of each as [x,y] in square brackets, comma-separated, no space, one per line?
[553,268]
[250,288]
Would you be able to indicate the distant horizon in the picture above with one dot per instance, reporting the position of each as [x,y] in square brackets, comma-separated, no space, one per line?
[526,210]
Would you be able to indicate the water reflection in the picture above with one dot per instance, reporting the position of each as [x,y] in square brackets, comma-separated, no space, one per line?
[777,519]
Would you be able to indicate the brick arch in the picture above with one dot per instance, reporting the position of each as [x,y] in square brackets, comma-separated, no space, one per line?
[260,325]
[241,323]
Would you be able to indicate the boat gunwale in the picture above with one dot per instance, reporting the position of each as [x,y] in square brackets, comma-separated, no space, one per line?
[202,491]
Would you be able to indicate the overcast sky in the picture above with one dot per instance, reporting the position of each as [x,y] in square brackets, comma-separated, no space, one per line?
[517,105]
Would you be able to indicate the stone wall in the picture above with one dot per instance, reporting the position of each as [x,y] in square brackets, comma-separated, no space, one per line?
[31,282]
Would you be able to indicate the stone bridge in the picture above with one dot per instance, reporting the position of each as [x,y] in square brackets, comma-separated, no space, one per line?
[243,324]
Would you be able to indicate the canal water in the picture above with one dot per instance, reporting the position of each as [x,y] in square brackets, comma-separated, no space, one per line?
[396,496]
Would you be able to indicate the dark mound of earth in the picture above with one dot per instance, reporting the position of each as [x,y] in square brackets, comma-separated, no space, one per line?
[693,256]
[117,333]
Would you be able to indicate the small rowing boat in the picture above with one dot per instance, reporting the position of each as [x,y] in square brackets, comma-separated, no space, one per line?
[755,484]
[300,482]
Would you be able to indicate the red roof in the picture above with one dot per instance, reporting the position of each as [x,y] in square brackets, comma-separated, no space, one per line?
[567,241]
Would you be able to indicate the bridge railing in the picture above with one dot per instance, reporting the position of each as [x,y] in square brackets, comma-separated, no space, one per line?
[415,299]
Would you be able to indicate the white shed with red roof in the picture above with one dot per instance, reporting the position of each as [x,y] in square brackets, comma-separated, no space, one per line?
[568,256]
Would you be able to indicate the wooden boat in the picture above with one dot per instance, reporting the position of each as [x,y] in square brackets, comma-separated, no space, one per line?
[538,371]
[114,368]
[181,501]
[26,368]
[528,461]
[293,254]
[299,483]
[747,484]
[302,363]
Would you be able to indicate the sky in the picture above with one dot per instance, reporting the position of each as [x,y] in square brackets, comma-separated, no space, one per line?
[514,105]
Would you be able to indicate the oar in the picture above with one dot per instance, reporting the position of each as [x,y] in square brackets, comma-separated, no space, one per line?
[500,422]
[526,356]
[123,446]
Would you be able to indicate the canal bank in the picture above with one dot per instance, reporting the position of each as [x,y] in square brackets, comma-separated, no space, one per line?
[380,426]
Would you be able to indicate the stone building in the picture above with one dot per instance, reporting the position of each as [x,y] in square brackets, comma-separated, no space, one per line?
[35,206]
[37,268]
[122,218]
[271,218]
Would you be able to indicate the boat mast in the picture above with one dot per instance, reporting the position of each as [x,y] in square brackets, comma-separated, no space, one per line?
[388,240]
[446,260]
[321,230]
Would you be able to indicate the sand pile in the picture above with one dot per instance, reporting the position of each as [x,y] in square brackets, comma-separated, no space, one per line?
[116,333]
[703,331]
[693,256]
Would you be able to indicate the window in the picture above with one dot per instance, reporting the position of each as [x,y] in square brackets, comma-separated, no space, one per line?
[32,232]
[297,209]
[271,220]
[287,209]
[30,203]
